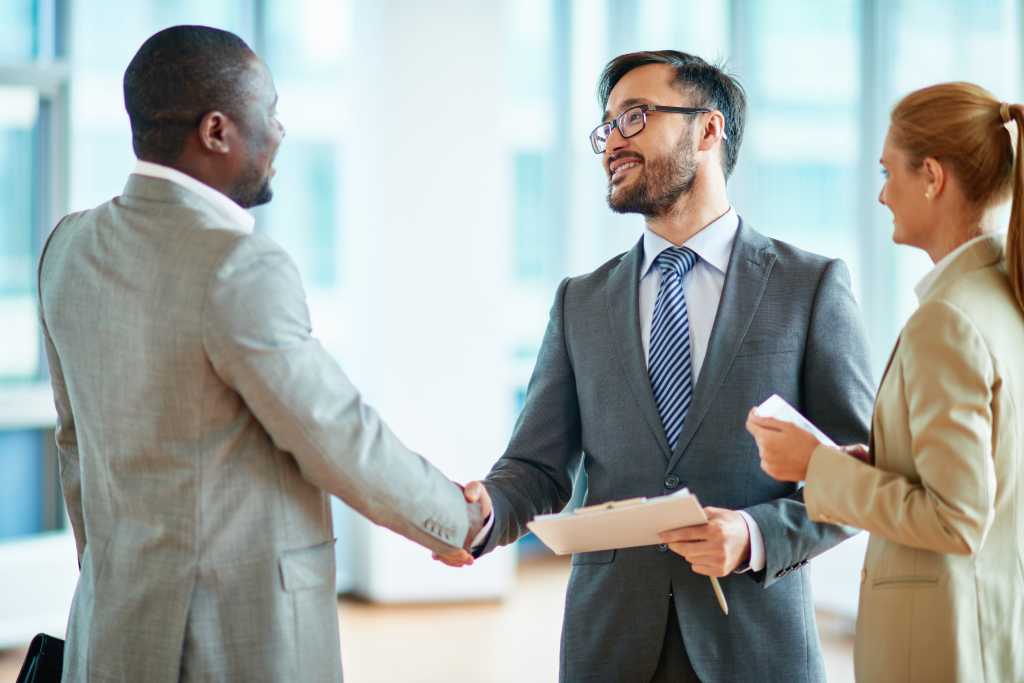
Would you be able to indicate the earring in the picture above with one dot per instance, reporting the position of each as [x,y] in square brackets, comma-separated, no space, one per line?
[928,195]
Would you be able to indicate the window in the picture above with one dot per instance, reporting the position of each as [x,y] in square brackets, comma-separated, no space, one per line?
[306,46]
[19,218]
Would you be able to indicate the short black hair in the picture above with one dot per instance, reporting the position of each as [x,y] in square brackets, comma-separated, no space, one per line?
[179,75]
[710,84]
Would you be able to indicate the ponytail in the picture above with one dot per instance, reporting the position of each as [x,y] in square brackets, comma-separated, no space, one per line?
[1015,233]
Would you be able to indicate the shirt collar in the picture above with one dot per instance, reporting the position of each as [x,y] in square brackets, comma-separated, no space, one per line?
[713,244]
[923,287]
[239,218]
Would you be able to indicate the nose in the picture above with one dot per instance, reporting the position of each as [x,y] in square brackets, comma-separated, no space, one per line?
[615,140]
[881,196]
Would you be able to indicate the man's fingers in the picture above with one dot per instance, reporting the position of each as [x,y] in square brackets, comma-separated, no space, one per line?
[475,491]
[685,534]
[454,559]
[696,552]
[472,491]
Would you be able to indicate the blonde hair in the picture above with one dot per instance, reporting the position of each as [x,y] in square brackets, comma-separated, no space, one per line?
[963,126]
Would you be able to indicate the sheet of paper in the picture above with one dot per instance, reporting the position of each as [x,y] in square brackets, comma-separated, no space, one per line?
[626,524]
[776,407]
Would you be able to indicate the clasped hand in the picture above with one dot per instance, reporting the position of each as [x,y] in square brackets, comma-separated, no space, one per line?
[474,492]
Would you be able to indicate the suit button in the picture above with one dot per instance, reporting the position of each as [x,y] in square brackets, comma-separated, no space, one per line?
[663,548]
[671,481]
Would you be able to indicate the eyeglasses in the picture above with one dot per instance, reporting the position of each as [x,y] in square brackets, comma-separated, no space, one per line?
[632,121]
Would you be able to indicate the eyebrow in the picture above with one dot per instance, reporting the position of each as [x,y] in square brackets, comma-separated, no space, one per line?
[631,102]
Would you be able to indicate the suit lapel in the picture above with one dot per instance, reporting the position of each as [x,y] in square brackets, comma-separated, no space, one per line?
[745,280]
[624,320]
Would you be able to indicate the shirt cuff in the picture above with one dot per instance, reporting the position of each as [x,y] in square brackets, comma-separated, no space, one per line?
[481,536]
[757,556]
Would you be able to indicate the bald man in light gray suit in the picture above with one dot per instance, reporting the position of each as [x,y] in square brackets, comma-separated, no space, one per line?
[201,426]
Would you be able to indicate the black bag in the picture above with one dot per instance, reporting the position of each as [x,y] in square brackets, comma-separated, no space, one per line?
[44,662]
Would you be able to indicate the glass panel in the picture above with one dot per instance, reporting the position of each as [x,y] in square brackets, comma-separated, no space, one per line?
[306,47]
[303,216]
[535,104]
[21,487]
[18,30]
[19,110]
[308,40]
[798,165]
[539,241]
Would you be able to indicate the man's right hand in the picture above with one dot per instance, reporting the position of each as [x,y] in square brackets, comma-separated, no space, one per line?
[479,509]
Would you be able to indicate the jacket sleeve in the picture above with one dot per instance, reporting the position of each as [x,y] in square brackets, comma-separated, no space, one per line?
[258,338]
[66,437]
[837,396]
[948,375]
[535,474]
[67,447]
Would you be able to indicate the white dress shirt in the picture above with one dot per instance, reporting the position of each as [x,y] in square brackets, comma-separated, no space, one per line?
[237,217]
[702,289]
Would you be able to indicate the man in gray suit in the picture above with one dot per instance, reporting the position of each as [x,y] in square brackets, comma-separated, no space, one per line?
[645,376]
[201,426]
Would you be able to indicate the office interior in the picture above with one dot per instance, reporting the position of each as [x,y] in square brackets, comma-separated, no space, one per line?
[435,185]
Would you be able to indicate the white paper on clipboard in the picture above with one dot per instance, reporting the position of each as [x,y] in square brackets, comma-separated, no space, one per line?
[618,524]
[776,407]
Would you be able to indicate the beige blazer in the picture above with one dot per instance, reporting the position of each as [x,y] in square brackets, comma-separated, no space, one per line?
[201,429]
[942,591]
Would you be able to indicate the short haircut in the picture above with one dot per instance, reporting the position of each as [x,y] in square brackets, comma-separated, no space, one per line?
[711,86]
[179,75]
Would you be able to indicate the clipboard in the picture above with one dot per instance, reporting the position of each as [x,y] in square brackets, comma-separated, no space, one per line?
[618,524]
[622,524]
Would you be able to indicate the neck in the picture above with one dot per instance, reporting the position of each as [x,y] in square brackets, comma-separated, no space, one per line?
[201,171]
[705,203]
[954,232]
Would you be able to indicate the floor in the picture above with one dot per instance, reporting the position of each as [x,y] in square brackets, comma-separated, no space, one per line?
[512,641]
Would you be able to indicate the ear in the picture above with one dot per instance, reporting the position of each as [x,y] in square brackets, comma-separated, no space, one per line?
[935,177]
[713,131]
[216,132]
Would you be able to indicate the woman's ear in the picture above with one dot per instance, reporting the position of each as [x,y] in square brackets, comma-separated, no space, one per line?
[935,178]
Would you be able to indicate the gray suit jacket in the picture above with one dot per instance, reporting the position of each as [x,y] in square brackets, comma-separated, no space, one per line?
[787,324]
[201,429]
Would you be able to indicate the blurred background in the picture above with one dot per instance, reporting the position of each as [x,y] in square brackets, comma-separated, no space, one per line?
[435,185]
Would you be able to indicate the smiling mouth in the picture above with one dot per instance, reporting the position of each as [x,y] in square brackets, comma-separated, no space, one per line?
[620,171]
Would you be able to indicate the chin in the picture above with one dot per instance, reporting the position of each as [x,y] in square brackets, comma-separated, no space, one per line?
[900,235]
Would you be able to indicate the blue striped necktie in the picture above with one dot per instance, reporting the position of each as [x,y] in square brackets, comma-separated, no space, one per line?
[669,364]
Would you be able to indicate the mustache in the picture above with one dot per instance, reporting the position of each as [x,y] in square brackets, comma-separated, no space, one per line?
[624,155]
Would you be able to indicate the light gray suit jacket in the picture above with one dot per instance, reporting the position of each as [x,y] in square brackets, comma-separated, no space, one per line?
[201,429]
[787,324]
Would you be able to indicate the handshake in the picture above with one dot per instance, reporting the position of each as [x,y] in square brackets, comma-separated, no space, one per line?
[715,549]
[479,514]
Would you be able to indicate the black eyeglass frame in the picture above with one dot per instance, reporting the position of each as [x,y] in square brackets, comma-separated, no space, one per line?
[644,109]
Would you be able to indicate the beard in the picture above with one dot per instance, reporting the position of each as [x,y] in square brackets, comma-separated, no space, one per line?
[661,183]
[252,189]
